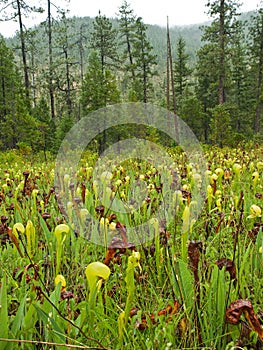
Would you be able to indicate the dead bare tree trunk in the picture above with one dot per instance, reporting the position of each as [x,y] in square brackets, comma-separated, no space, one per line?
[50,73]
[171,71]
[23,49]
[221,88]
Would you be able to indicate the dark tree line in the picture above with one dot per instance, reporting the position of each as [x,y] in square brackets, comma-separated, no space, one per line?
[43,92]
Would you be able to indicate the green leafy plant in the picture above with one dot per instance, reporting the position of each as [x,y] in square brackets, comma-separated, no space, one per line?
[60,234]
[133,262]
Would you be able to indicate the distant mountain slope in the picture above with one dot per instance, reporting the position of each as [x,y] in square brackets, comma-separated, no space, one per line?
[191,33]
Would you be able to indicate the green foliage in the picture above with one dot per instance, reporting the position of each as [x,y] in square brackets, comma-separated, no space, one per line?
[191,112]
[98,90]
[170,309]
[66,123]
[103,39]
[15,121]
[99,86]
[63,72]
[144,64]
[256,63]
[212,315]
[218,36]
[181,68]
[213,65]
[221,131]
[138,59]
[127,31]
[45,125]
[206,88]
[4,314]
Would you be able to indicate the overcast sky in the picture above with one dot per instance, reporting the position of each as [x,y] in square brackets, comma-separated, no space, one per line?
[153,12]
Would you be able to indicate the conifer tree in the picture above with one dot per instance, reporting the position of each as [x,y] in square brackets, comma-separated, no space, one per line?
[239,101]
[256,65]
[218,37]
[45,126]
[181,68]
[65,72]
[20,9]
[127,30]
[103,39]
[16,124]
[144,64]
[99,87]
[214,65]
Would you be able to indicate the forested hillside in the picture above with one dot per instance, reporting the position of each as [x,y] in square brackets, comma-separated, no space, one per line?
[156,34]
[54,74]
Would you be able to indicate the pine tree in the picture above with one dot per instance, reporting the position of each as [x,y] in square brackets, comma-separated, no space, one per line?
[144,64]
[127,30]
[239,101]
[19,9]
[99,89]
[51,88]
[7,79]
[256,65]
[218,36]
[207,78]
[103,39]
[221,131]
[16,124]
[181,68]
[191,112]
[214,64]
[46,126]
[33,63]
[65,72]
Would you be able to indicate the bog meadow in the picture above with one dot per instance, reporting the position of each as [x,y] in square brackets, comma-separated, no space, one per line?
[155,243]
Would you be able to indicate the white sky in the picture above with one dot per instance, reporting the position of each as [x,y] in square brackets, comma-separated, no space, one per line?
[153,12]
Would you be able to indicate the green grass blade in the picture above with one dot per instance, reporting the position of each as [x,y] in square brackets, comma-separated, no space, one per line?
[3,314]
[19,318]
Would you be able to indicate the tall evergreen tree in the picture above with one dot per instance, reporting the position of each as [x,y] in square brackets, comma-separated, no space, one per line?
[16,124]
[19,6]
[45,125]
[99,89]
[144,64]
[218,36]
[65,74]
[19,9]
[51,88]
[33,63]
[207,77]
[214,63]
[103,39]
[240,101]
[181,68]
[50,67]
[127,30]
[256,59]
[7,79]
[81,44]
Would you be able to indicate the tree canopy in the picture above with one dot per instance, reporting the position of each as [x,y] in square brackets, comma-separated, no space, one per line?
[76,66]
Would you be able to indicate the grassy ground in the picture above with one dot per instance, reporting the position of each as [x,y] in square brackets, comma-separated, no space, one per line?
[197,284]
